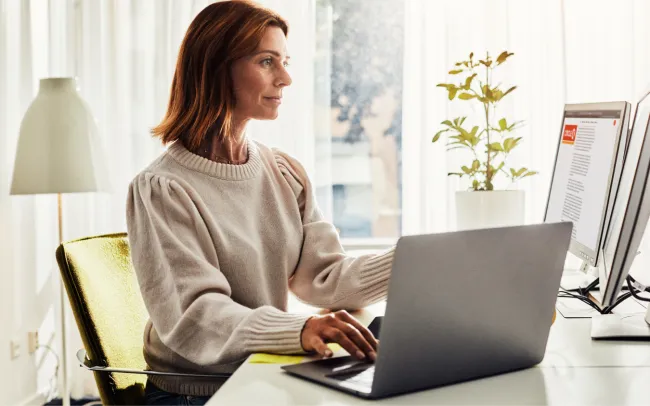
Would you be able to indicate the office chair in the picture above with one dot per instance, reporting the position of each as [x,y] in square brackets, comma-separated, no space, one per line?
[107,305]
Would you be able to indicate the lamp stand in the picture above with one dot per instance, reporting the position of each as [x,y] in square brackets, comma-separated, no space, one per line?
[65,390]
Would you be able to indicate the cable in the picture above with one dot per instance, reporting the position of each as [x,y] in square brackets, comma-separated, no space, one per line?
[585,291]
[582,298]
[633,291]
[618,301]
[583,295]
[53,379]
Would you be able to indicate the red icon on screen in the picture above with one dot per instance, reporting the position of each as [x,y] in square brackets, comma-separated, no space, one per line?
[569,134]
[614,122]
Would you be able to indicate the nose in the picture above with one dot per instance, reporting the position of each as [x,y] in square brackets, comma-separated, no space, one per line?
[283,79]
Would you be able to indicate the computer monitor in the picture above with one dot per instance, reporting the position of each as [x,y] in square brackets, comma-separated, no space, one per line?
[586,174]
[631,209]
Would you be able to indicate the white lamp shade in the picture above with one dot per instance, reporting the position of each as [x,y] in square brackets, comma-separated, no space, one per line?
[59,150]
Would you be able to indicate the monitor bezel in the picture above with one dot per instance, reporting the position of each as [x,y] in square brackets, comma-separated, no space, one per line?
[635,219]
[578,249]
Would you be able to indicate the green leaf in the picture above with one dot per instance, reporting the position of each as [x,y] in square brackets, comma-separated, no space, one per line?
[452,93]
[486,63]
[455,71]
[521,172]
[508,91]
[466,169]
[446,85]
[488,92]
[466,96]
[464,134]
[448,123]
[509,144]
[514,143]
[503,125]
[514,125]
[475,165]
[530,173]
[513,172]
[496,95]
[462,120]
[456,174]
[495,146]
[473,139]
[475,184]
[438,134]
[503,56]
[468,82]
[460,144]
[471,55]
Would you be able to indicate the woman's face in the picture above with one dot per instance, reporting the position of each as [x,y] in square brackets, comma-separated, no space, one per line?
[258,79]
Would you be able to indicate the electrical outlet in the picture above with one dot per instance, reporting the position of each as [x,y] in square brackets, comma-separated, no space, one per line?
[15,349]
[32,341]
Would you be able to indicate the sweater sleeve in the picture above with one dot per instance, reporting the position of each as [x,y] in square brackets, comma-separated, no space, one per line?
[326,276]
[188,298]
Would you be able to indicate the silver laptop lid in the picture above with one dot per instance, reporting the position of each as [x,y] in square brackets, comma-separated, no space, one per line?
[468,304]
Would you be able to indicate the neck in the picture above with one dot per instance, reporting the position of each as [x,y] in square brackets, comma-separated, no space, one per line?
[232,149]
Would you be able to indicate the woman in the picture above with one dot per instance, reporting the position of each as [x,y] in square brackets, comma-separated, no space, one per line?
[221,227]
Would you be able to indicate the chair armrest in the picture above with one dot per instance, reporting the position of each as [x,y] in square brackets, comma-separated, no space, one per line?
[87,364]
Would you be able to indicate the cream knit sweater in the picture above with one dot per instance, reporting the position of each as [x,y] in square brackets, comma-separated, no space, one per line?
[216,249]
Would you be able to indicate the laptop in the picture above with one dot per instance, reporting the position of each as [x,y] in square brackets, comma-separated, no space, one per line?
[461,306]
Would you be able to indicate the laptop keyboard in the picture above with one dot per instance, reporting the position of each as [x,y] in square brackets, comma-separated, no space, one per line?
[363,378]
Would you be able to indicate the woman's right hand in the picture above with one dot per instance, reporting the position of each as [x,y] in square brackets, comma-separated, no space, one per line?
[340,328]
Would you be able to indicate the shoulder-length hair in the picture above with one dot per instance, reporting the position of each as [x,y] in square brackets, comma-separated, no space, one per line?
[202,98]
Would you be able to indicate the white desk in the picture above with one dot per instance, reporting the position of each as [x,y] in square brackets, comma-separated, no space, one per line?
[575,371]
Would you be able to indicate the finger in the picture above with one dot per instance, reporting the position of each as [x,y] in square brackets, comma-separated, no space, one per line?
[339,337]
[367,334]
[354,335]
[320,347]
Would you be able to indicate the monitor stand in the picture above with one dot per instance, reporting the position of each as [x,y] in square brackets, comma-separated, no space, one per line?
[614,326]
[621,327]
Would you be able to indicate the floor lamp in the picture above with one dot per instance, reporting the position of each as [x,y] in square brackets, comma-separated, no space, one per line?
[58,152]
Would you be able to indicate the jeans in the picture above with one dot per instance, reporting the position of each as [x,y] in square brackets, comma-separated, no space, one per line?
[155,396]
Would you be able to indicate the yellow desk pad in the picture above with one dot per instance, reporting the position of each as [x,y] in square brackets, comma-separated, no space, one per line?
[263,358]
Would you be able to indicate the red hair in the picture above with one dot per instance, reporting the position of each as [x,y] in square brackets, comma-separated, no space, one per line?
[202,97]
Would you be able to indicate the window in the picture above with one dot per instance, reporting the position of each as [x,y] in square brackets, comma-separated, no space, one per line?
[365,111]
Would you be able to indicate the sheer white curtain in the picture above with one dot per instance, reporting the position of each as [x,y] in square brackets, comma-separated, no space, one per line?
[565,51]
[28,235]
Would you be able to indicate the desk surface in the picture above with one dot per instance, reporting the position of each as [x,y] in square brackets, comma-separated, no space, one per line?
[575,370]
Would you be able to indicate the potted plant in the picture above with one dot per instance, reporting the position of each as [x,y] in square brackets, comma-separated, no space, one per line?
[488,145]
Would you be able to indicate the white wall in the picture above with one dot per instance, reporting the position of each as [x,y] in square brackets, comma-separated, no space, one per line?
[28,300]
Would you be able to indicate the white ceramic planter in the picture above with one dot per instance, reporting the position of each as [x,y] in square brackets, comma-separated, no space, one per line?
[496,208]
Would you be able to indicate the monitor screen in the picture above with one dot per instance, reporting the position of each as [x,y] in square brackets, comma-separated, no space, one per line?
[590,146]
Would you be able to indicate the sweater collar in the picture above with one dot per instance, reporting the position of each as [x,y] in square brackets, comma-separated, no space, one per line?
[219,170]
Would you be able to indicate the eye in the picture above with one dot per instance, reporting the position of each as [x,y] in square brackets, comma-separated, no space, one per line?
[268,62]
[286,64]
